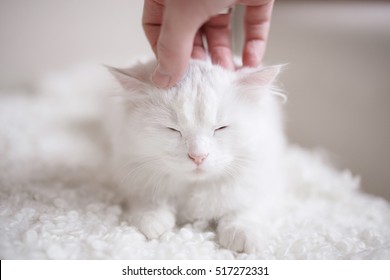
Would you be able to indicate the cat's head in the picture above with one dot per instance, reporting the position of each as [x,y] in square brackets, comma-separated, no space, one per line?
[210,125]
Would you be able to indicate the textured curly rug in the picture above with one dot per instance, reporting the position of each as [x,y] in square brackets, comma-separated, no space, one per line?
[55,202]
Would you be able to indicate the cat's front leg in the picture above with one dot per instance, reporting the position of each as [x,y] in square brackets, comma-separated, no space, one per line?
[153,221]
[240,232]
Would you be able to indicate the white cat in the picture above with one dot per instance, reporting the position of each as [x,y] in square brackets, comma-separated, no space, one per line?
[206,149]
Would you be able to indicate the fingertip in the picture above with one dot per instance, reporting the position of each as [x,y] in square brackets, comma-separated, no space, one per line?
[222,57]
[160,78]
[198,53]
[198,50]
[173,53]
[253,53]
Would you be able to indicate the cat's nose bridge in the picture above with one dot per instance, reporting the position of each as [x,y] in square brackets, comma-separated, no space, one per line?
[198,148]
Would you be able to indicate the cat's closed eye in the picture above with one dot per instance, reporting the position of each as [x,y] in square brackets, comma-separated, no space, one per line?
[222,127]
[174,130]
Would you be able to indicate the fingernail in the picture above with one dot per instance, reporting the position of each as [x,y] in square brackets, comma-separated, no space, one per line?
[160,79]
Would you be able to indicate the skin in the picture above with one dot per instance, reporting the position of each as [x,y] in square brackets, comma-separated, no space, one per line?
[175,29]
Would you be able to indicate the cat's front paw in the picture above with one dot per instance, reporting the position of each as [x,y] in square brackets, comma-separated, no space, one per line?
[153,223]
[238,237]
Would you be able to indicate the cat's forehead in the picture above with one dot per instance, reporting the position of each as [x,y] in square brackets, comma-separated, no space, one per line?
[198,99]
[196,105]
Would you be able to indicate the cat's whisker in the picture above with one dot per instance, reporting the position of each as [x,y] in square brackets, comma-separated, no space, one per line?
[155,179]
[142,160]
[244,162]
[127,164]
[281,95]
[156,185]
[230,173]
[118,171]
[232,170]
[138,167]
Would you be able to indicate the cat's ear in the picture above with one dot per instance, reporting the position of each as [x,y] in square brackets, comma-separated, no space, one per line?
[258,77]
[128,79]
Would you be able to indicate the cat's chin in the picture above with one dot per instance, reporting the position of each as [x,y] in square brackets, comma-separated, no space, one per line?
[200,176]
[189,171]
[202,173]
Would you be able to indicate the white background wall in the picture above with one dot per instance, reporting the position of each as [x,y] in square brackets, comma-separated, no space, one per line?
[338,81]
[338,77]
[39,35]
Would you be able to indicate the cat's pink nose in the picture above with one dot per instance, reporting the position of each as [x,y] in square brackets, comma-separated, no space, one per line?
[197,158]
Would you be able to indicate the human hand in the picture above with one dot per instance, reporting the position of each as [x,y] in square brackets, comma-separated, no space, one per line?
[175,28]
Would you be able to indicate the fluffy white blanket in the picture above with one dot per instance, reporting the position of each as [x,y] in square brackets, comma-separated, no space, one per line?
[56,204]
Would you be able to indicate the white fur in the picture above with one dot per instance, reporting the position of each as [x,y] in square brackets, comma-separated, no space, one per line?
[154,132]
[55,205]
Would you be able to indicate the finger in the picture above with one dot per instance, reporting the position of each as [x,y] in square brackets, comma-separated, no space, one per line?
[175,43]
[218,34]
[256,23]
[198,50]
[181,21]
[151,21]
